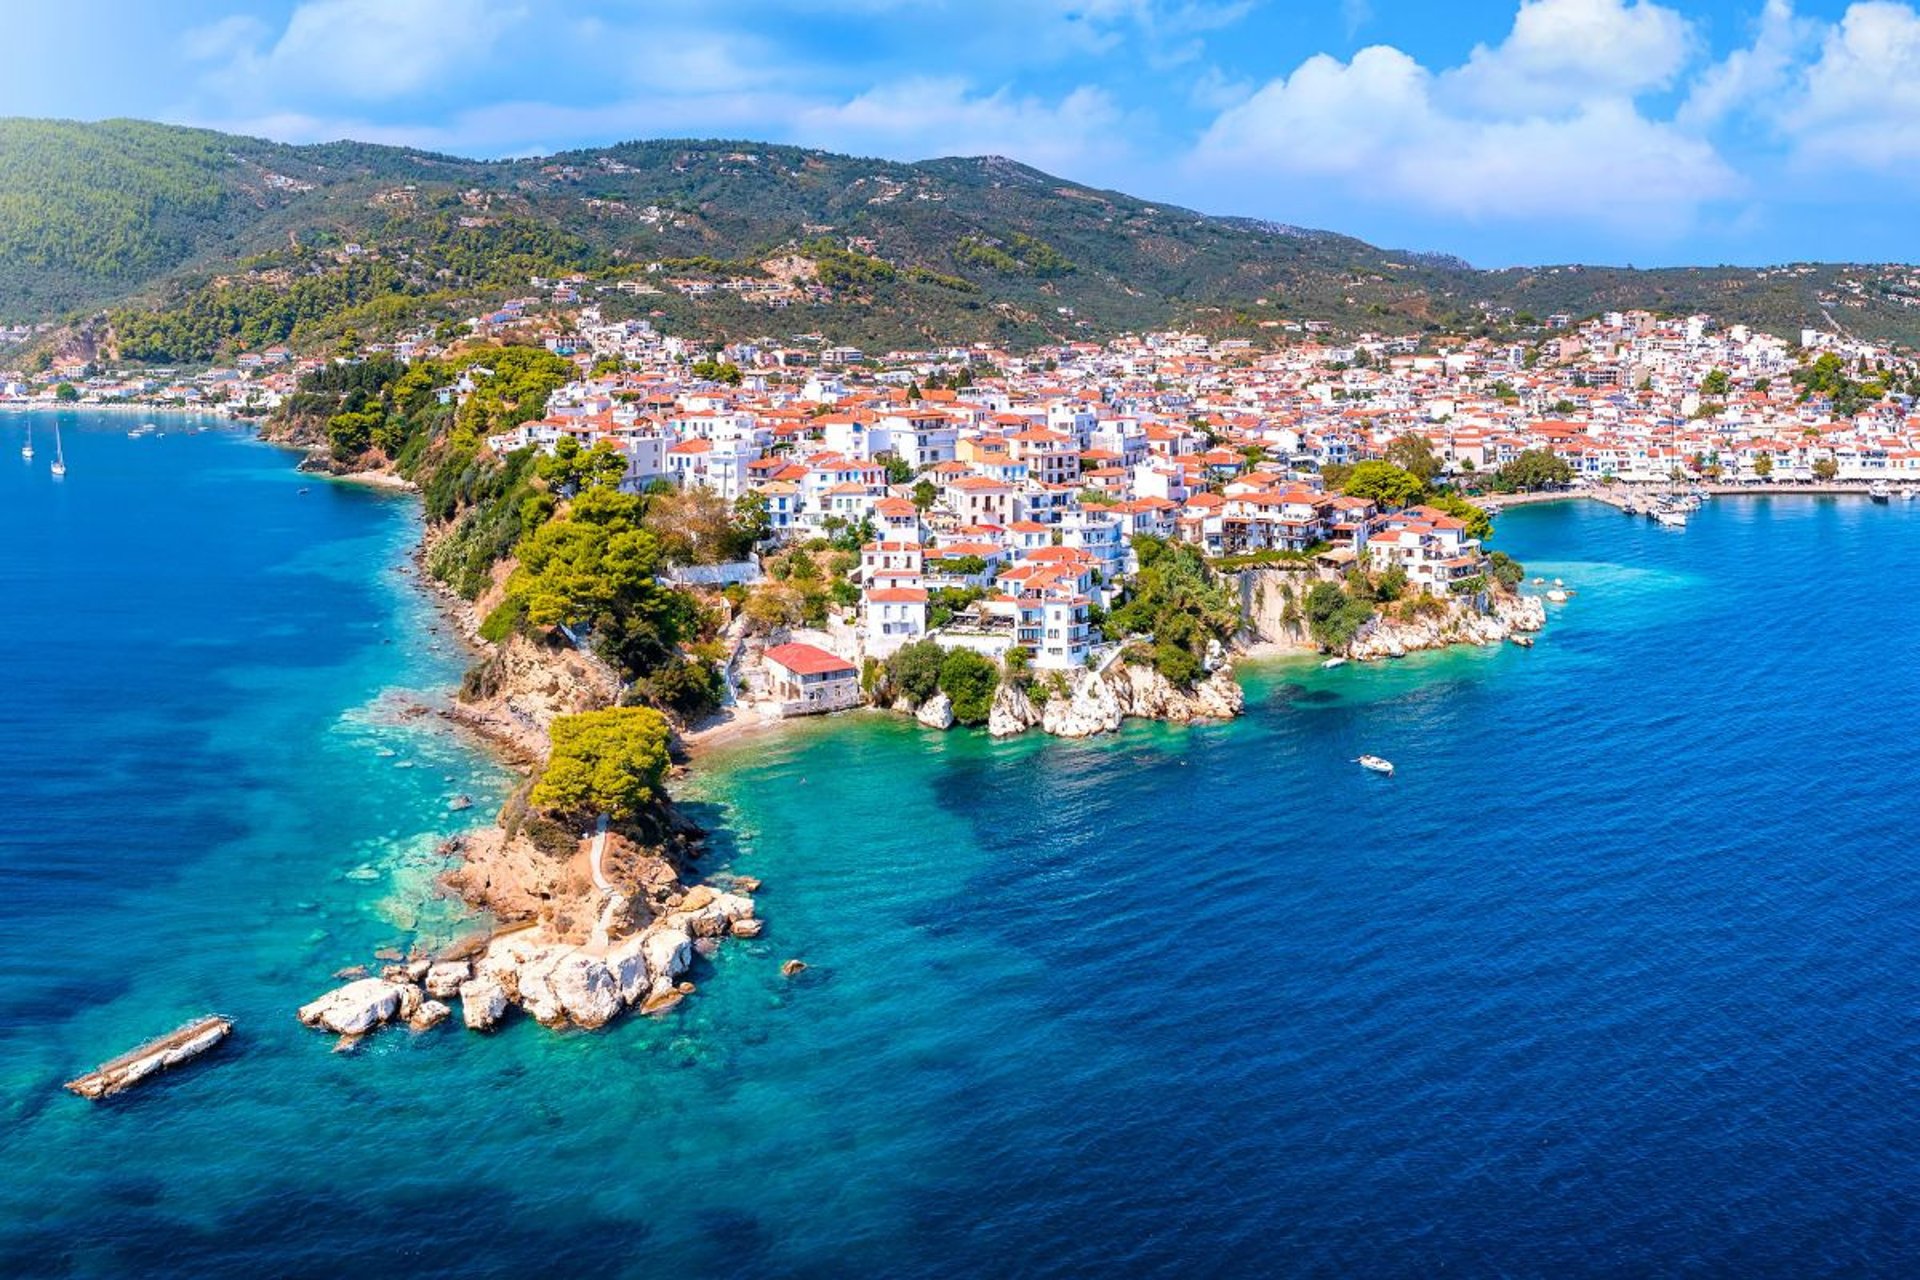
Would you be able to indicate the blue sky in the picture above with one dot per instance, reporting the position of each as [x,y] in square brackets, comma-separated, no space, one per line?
[1507,131]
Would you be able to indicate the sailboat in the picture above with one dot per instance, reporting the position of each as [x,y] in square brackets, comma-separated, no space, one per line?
[59,455]
[26,450]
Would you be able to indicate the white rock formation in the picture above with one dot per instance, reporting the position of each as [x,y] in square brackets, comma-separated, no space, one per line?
[668,953]
[431,1013]
[356,1008]
[483,1002]
[1012,712]
[585,988]
[445,977]
[936,712]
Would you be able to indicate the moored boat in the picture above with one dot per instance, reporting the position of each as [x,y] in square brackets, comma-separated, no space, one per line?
[1879,492]
[1376,764]
[1331,663]
[1525,642]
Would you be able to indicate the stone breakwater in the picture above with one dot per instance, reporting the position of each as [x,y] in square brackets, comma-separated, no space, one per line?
[1080,704]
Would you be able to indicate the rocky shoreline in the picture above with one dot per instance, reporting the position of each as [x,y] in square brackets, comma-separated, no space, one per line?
[1271,621]
[1511,616]
[1081,704]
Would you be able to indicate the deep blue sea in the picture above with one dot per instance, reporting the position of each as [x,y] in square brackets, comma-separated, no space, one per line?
[1620,975]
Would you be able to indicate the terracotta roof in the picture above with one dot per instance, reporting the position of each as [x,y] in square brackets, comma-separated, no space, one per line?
[806,660]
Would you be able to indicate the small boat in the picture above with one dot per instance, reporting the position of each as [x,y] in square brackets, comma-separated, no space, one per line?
[1375,764]
[1879,492]
[304,490]
[1557,596]
[59,455]
[26,450]
[1525,642]
[1908,493]
[1331,663]
[1670,518]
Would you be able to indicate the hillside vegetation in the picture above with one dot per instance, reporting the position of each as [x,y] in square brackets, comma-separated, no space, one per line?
[199,244]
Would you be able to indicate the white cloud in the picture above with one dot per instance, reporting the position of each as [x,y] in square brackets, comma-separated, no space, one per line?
[227,38]
[944,116]
[1075,135]
[1562,53]
[1752,76]
[356,50]
[1378,130]
[1859,103]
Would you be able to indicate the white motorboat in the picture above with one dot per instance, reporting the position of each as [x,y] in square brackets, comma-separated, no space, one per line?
[1671,518]
[1331,663]
[1879,492]
[1376,764]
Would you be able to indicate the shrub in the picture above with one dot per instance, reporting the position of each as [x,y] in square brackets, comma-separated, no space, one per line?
[1333,617]
[914,671]
[685,687]
[1175,663]
[969,680]
[609,762]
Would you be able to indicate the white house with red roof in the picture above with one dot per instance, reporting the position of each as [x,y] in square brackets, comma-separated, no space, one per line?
[806,680]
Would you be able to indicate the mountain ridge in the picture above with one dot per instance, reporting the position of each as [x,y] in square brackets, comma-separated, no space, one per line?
[195,244]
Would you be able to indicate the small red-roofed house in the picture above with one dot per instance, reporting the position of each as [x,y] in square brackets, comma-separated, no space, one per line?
[806,680]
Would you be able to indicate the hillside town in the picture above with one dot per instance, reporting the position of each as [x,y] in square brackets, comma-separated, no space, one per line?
[995,497]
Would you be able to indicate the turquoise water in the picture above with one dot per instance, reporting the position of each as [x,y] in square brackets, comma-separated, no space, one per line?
[1618,976]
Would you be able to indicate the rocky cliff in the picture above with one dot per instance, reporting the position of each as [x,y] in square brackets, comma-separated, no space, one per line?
[521,686]
[1084,703]
[1270,607]
[1272,613]
[1457,622]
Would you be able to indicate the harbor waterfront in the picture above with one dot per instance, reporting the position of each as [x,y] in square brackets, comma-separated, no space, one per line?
[1616,974]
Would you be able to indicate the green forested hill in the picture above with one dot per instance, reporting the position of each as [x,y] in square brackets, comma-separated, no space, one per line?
[200,244]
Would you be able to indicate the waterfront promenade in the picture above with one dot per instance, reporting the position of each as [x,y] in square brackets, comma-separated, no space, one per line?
[1618,495]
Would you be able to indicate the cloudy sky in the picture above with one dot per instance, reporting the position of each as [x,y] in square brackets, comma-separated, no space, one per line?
[1539,131]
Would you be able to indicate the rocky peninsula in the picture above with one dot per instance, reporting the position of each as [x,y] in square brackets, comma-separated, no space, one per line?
[587,924]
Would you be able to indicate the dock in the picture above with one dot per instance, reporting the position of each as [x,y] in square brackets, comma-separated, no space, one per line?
[180,1045]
